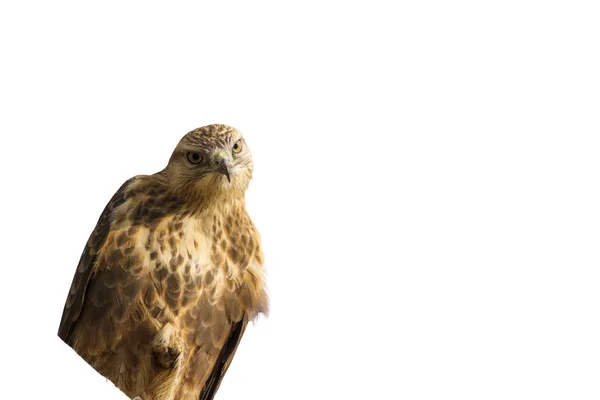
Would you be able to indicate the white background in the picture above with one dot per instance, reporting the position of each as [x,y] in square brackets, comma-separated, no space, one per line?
[426,184]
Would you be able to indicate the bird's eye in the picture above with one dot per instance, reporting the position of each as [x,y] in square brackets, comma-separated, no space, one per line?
[194,158]
[237,147]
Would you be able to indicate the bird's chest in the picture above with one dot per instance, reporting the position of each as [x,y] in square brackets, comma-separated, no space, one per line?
[191,261]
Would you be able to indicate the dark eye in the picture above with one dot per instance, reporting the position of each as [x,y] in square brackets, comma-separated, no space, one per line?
[194,158]
[237,147]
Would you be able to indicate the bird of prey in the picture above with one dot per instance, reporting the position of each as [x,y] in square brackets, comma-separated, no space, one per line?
[171,274]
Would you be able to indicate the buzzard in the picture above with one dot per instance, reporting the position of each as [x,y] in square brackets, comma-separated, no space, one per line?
[171,274]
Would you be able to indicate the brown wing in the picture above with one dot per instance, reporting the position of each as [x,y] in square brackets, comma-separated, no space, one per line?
[87,265]
[225,356]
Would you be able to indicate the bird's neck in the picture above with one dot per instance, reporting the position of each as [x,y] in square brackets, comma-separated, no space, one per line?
[218,208]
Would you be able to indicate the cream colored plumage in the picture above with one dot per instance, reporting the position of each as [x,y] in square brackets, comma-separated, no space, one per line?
[172,274]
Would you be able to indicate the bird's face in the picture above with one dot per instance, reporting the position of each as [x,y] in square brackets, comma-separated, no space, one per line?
[211,162]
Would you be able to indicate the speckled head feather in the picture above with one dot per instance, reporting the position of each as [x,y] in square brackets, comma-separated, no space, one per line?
[210,136]
[172,274]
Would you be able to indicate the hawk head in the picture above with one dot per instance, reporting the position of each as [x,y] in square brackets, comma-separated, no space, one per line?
[212,162]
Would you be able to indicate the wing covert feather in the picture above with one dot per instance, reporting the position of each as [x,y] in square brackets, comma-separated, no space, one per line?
[87,264]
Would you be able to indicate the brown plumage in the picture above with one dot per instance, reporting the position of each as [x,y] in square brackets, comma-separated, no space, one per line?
[172,274]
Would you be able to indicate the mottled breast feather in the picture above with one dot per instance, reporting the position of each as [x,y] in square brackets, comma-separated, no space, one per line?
[163,293]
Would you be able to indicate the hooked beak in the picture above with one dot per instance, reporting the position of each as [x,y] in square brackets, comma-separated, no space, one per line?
[223,169]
